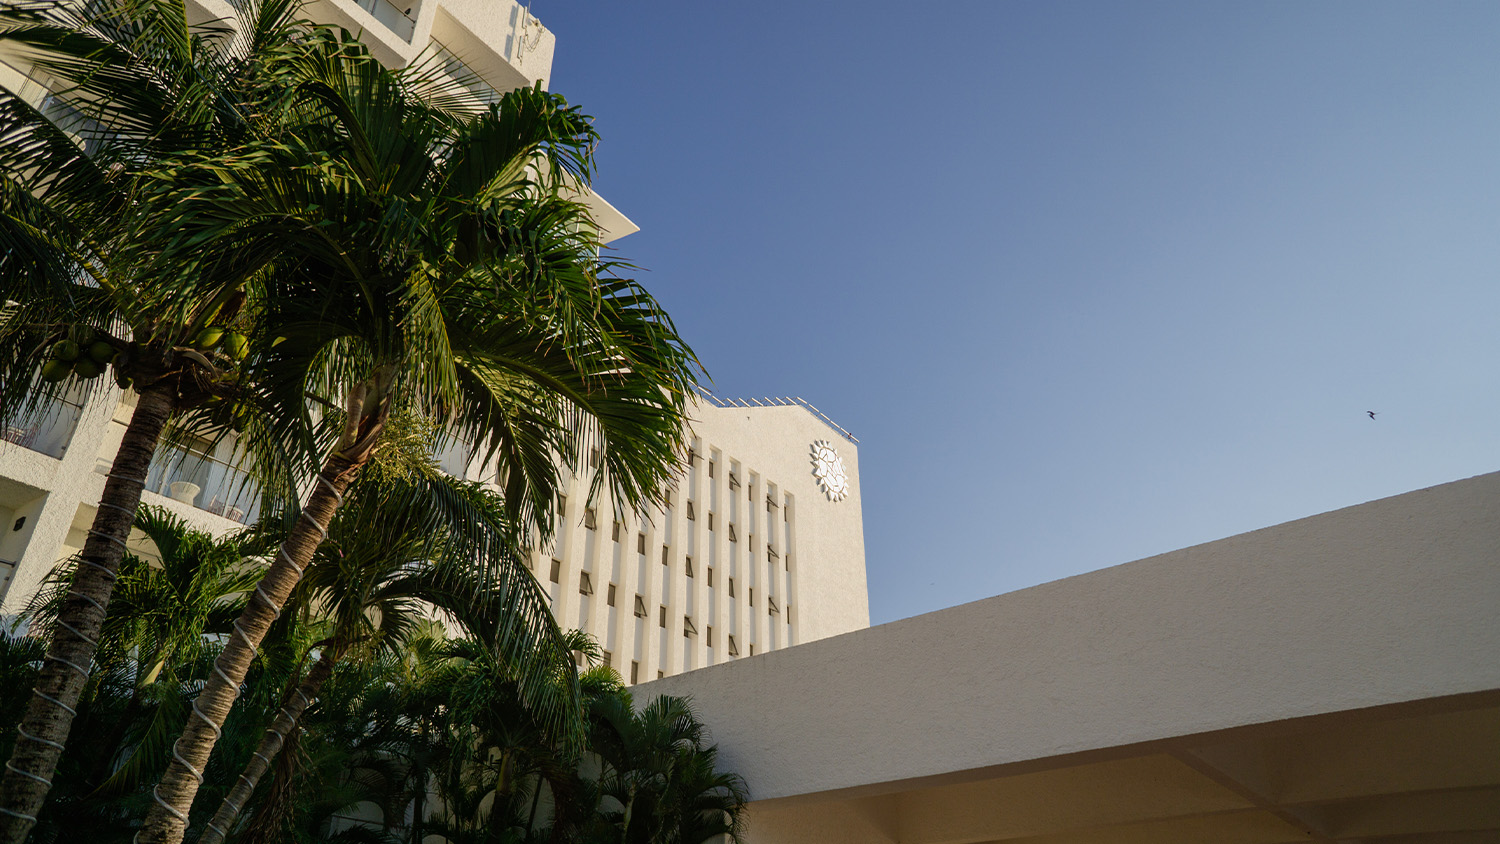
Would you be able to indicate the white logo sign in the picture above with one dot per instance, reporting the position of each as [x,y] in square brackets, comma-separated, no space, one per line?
[828,468]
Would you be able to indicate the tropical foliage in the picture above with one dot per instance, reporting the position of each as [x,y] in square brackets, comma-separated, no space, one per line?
[263,230]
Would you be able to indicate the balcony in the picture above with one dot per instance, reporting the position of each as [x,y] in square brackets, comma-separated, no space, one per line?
[47,430]
[205,482]
[400,19]
[460,72]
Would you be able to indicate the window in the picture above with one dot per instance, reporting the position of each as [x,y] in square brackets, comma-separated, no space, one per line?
[661,617]
[614,531]
[635,672]
[692,456]
[752,543]
[734,649]
[710,575]
[710,521]
[711,465]
[771,549]
[609,659]
[731,587]
[770,504]
[709,632]
[733,537]
[590,519]
[585,584]
[556,570]
[666,551]
[692,515]
[640,607]
[609,597]
[734,482]
[688,629]
[752,649]
[689,567]
[640,543]
[752,596]
[562,504]
[660,674]
[771,607]
[593,458]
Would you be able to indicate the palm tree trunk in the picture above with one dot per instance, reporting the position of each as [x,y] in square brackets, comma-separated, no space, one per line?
[49,715]
[167,821]
[275,737]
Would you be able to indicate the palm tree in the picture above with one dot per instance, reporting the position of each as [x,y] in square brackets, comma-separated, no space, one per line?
[397,549]
[134,83]
[659,776]
[403,253]
[154,645]
[160,615]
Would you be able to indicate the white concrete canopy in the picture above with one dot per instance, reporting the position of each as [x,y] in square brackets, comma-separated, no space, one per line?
[1331,679]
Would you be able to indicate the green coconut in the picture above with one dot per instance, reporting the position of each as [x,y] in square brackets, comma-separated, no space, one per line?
[208,337]
[65,350]
[54,371]
[86,368]
[102,352]
[123,381]
[236,345]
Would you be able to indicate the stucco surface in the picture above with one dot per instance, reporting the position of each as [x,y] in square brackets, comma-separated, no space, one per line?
[1376,604]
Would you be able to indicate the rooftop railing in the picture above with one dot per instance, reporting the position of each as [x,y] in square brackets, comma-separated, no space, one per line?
[781,401]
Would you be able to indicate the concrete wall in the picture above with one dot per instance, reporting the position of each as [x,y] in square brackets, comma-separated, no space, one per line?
[1382,603]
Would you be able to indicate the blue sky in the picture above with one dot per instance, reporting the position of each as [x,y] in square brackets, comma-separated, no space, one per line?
[1090,281]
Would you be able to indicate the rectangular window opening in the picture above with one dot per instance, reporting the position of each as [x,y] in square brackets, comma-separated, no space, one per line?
[640,543]
[691,514]
[734,649]
[688,567]
[661,617]
[590,519]
[640,607]
[585,583]
[635,672]
[609,596]
[556,570]
[688,629]
[666,551]
[710,575]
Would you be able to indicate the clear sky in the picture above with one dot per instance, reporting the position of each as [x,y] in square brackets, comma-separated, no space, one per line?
[1090,281]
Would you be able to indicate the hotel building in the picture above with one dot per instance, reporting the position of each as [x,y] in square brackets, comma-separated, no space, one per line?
[754,552]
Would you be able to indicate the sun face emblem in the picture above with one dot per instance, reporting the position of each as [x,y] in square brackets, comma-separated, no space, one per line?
[828,468]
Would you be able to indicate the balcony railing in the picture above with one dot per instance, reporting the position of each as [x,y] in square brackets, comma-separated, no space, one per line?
[205,482]
[397,18]
[464,75]
[47,429]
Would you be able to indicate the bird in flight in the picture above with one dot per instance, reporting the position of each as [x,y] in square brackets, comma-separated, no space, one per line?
[1372,413]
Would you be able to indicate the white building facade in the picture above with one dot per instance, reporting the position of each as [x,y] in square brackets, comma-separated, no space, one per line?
[753,554]
[760,547]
